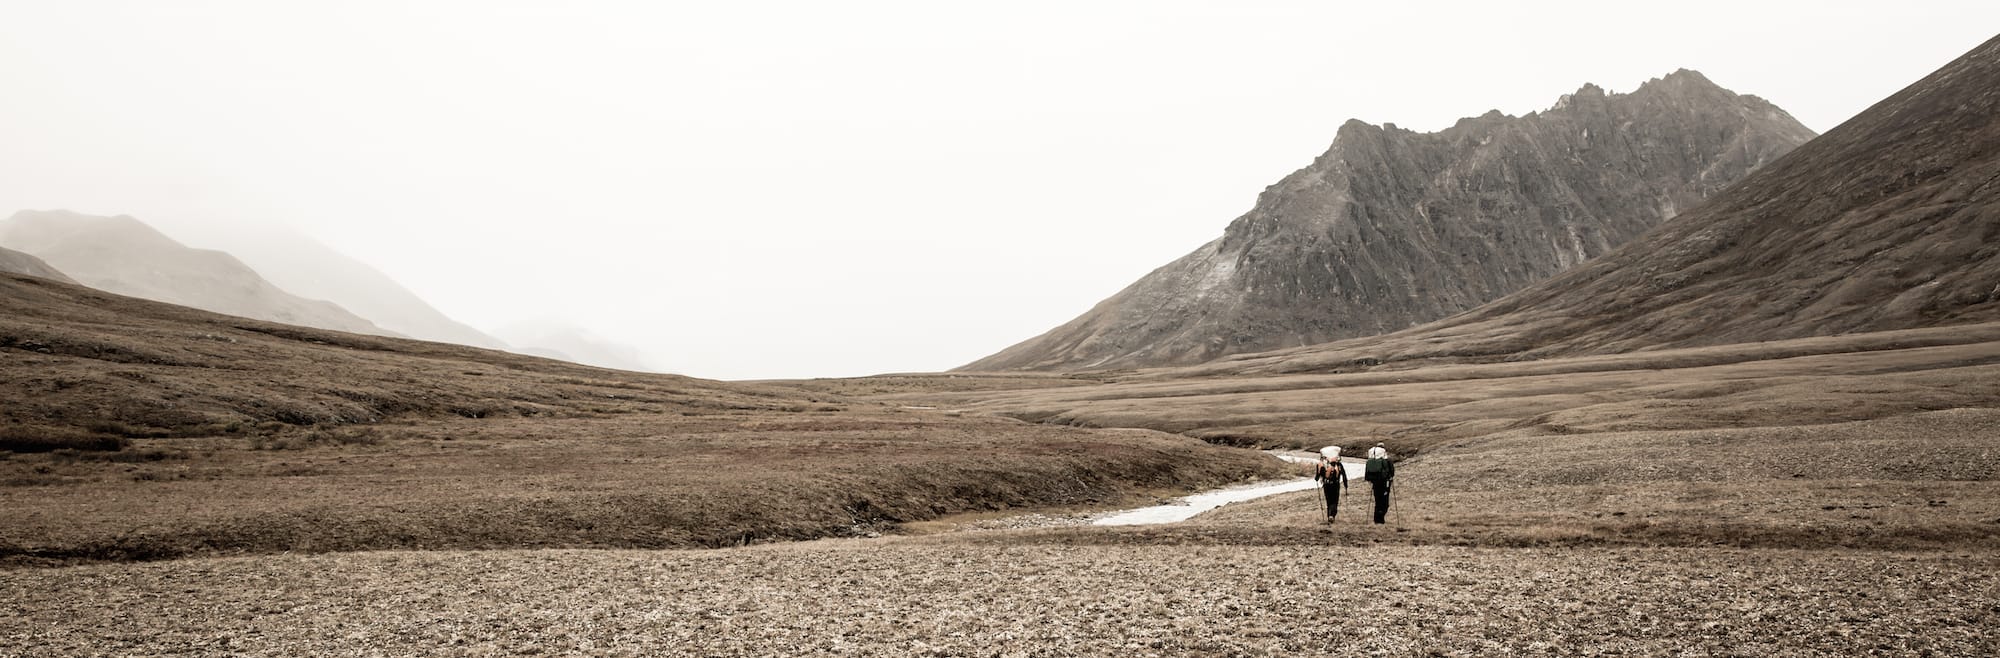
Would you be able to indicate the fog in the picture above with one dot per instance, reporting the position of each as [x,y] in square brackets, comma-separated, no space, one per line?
[798,189]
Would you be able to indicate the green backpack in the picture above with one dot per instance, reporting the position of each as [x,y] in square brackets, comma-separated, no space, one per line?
[1378,470]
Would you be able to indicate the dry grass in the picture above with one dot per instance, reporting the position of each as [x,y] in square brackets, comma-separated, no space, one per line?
[1808,381]
[1924,482]
[583,482]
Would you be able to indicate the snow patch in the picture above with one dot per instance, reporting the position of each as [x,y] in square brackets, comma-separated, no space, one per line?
[1223,270]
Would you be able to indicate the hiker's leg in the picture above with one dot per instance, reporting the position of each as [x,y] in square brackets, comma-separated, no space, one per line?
[1381,502]
[1332,501]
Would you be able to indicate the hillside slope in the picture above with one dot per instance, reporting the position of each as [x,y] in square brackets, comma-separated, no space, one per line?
[20,263]
[79,358]
[309,268]
[125,256]
[556,339]
[1391,228]
[1889,221]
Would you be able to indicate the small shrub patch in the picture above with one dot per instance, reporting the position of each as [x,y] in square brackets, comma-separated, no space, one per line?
[50,439]
[116,428]
[318,436]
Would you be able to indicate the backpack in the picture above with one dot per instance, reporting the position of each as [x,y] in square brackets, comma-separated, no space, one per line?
[1378,470]
[1331,472]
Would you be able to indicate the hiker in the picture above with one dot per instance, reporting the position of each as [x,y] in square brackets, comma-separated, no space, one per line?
[1332,477]
[1378,474]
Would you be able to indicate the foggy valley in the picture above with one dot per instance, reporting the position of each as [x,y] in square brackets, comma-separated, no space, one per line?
[909,329]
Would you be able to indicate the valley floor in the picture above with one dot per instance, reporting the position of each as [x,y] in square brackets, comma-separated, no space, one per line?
[1751,555]
[1775,541]
[1798,498]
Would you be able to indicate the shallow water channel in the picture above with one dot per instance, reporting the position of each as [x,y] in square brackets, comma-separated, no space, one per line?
[1186,507]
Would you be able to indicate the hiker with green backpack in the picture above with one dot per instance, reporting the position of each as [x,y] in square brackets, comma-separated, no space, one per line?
[1378,473]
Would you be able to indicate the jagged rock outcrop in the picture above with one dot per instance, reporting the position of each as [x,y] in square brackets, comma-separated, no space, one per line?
[125,256]
[1392,228]
[20,263]
[1889,221]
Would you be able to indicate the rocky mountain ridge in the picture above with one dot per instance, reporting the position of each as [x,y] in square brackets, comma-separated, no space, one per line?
[1391,228]
[1889,221]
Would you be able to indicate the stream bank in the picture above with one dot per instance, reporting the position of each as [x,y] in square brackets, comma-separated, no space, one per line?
[1174,511]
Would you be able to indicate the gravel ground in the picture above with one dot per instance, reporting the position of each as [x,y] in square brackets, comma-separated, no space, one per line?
[943,596]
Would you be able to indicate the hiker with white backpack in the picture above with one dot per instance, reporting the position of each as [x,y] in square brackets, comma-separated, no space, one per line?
[1378,473]
[1332,477]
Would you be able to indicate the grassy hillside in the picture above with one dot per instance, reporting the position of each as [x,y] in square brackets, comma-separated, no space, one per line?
[140,430]
[1781,383]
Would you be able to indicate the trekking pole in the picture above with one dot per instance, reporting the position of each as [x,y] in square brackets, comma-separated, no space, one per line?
[1325,508]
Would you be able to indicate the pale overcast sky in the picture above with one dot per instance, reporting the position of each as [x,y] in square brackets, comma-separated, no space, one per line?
[805,189]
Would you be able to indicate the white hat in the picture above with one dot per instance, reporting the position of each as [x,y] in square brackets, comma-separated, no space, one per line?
[1330,452]
[1378,452]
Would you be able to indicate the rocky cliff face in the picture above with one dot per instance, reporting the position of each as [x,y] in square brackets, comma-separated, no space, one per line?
[20,263]
[1889,221]
[1392,228]
[125,256]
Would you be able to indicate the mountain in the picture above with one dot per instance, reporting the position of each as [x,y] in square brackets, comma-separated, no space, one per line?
[125,256]
[305,266]
[1889,221]
[1391,228]
[558,340]
[20,263]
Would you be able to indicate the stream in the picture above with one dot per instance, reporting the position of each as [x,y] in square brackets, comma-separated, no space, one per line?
[1186,507]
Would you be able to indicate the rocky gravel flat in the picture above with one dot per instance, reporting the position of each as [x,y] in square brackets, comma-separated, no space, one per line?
[943,596]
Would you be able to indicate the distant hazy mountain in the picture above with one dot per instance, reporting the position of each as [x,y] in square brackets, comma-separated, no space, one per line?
[21,263]
[302,265]
[125,256]
[1889,221]
[1391,228]
[557,340]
